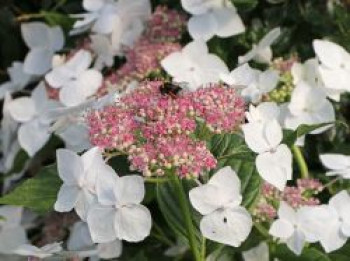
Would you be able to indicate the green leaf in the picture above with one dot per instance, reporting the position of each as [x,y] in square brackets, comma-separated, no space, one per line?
[290,136]
[38,193]
[169,205]
[230,150]
[54,18]
[245,4]
[341,254]
[308,254]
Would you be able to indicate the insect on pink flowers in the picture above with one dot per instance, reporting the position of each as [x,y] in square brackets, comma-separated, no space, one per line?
[159,133]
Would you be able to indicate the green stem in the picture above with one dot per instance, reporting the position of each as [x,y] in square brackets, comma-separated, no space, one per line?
[298,155]
[263,231]
[203,248]
[188,219]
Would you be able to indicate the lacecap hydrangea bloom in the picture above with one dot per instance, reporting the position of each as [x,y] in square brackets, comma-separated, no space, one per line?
[160,132]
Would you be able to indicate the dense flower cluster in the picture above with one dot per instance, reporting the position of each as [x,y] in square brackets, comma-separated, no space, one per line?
[164,31]
[157,131]
[303,194]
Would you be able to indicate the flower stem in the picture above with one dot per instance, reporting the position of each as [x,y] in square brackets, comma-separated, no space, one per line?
[298,155]
[188,219]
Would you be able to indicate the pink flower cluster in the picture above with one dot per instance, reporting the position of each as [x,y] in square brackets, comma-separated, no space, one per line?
[158,131]
[296,196]
[160,39]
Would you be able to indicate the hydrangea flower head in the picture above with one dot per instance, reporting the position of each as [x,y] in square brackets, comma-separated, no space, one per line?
[158,132]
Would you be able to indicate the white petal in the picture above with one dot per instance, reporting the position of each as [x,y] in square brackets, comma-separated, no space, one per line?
[224,184]
[335,161]
[85,201]
[228,22]
[38,61]
[282,229]
[106,186]
[11,216]
[330,54]
[92,161]
[67,198]
[130,190]
[229,186]
[79,62]
[258,253]
[35,34]
[268,80]
[273,133]
[275,167]
[202,26]
[229,226]
[202,199]
[22,109]
[332,238]
[93,5]
[11,238]
[79,238]
[253,135]
[287,212]
[110,250]
[32,136]
[58,77]
[56,38]
[296,242]
[270,38]
[133,223]
[70,167]
[101,224]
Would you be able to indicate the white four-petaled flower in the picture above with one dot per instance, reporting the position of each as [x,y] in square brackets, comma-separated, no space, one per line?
[75,80]
[119,213]
[194,65]
[274,160]
[224,221]
[33,132]
[337,164]
[79,176]
[262,52]
[43,41]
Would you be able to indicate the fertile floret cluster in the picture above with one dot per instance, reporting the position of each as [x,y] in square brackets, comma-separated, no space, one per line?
[303,194]
[158,131]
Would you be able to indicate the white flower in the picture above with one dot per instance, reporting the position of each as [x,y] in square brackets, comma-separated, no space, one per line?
[264,112]
[30,111]
[102,48]
[81,243]
[101,16]
[194,65]
[309,105]
[43,41]
[224,221]
[79,176]
[12,234]
[256,83]
[295,227]
[119,214]
[212,17]
[274,160]
[40,252]
[258,253]
[309,72]
[334,234]
[9,143]
[337,163]
[129,23]
[335,65]
[262,52]
[75,80]
[18,79]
